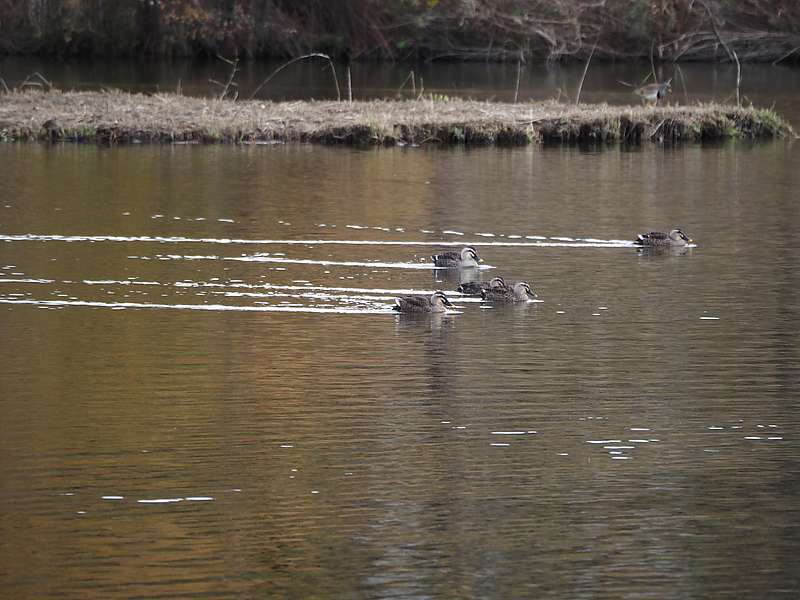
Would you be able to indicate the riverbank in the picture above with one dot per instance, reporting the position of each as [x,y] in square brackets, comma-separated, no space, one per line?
[118,117]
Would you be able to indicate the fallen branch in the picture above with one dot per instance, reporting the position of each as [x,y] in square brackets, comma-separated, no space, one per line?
[405,81]
[43,82]
[785,56]
[294,60]
[230,83]
[655,131]
[583,77]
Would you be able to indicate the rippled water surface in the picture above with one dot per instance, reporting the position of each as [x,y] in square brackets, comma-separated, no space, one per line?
[205,392]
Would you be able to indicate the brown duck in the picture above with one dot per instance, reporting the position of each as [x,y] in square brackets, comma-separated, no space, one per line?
[474,288]
[676,237]
[436,303]
[519,292]
[468,257]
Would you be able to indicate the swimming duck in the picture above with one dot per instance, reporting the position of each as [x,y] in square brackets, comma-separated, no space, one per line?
[676,237]
[468,257]
[653,92]
[519,292]
[422,304]
[474,288]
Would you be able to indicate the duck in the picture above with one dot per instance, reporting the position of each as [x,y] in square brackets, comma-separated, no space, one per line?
[51,129]
[474,288]
[676,237]
[468,257]
[653,92]
[436,303]
[519,292]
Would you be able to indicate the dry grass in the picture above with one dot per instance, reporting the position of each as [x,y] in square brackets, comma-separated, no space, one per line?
[121,117]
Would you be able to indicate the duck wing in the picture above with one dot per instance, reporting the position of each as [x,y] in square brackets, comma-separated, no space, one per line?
[652,238]
[412,304]
[497,295]
[473,288]
[446,258]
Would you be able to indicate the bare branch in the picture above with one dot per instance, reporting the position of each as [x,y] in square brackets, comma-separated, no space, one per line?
[294,60]
[731,52]
[785,56]
[583,77]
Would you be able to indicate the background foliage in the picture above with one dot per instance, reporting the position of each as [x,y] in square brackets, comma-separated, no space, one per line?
[402,29]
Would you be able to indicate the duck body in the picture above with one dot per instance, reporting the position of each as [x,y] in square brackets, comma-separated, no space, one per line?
[676,237]
[653,92]
[475,288]
[468,257]
[435,303]
[519,292]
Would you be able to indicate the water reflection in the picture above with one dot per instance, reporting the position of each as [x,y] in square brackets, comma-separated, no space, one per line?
[452,278]
[180,418]
[654,251]
[762,85]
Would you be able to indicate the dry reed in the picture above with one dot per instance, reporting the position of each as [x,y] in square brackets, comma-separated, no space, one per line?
[123,117]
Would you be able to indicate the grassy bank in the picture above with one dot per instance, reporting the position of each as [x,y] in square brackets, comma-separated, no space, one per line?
[761,30]
[110,117]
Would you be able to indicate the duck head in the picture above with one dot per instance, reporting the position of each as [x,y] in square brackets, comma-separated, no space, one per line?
[523,290]
[497,283]
[439,301]
[469,253]
[678,235]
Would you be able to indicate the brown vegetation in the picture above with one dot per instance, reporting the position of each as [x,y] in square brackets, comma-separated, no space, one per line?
[122,117]
[406,29]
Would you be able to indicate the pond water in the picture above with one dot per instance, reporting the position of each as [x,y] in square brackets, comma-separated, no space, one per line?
[205,392]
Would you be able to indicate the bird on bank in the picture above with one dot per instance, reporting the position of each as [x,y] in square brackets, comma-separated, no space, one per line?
[653,92]
[436,303]
[468,257]
[676,237]
[519,292]
[474,288]
[51,129]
